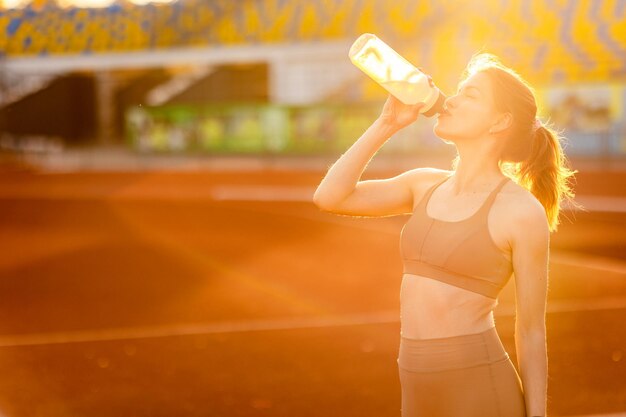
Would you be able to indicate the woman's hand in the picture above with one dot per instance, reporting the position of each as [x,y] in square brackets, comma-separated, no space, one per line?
[398,115]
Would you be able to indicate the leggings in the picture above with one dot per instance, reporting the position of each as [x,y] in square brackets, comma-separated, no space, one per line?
[469,375]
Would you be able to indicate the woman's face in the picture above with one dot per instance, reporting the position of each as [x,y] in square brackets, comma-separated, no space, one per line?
[470,113]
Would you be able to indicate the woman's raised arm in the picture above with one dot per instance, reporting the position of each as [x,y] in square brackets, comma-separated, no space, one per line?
[341,191]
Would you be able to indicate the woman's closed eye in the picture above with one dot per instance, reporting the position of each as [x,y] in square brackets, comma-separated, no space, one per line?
[465,94]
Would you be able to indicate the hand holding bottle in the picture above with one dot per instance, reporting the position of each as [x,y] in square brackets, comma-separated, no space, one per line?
[397,115]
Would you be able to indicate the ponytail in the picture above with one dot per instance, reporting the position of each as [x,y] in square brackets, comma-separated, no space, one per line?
[546,173]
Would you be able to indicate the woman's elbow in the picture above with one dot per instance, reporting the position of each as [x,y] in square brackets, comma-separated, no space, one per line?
[322,202]
[326,201]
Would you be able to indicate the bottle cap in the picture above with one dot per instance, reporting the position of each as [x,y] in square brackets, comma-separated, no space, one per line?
[437,107]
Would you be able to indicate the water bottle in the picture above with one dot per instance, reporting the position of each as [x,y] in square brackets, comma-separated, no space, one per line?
[395,74]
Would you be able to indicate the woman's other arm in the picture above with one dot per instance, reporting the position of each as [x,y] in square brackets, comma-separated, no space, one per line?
[341,191]
[530,247]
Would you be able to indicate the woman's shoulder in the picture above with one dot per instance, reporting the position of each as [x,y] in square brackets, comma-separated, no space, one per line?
[426,177]
[519,215]
[520,205]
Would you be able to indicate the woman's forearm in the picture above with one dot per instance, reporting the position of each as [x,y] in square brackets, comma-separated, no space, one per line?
[342,177]
[533,364]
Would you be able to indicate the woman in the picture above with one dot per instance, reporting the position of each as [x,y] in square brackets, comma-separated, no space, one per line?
[470,229]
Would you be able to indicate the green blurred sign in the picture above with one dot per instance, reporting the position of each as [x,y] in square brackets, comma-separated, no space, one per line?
[250,129]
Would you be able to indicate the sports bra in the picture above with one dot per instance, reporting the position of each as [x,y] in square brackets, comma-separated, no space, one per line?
[461,253]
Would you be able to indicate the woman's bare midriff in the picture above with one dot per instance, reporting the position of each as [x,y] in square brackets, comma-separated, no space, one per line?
[432,309]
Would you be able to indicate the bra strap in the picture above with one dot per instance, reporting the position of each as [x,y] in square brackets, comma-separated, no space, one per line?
[492,196]
[430,191]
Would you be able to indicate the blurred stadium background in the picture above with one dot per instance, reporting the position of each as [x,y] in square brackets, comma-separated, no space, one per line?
[159,252]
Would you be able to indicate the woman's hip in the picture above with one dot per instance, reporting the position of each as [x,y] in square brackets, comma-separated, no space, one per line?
[456,352]
[491,390]
[467,375]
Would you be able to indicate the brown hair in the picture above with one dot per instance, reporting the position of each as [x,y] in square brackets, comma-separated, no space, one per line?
[533,155]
